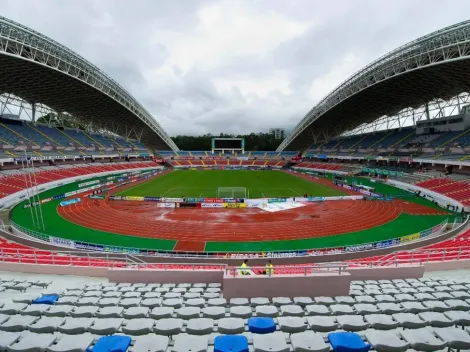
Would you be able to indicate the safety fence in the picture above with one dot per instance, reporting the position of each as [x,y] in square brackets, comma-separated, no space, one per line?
[20,231]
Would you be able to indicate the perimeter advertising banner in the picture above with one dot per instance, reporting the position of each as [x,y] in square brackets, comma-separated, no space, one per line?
[69,202]
[172,200]
[410,238]
[213,200]
[133,198]
[212,205]
[234,205]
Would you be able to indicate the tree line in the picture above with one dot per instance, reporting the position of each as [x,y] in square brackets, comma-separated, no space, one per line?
[253,141]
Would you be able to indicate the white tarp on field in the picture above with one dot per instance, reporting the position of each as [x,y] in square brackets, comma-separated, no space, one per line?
[273,207]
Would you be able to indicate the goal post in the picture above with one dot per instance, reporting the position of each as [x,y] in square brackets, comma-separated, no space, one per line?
[232,192]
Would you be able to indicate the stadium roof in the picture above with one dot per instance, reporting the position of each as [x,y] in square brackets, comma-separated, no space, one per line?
[436,66]
[40,70]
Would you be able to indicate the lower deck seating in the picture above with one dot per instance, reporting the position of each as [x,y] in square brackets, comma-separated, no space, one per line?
[386,315]
[14,182]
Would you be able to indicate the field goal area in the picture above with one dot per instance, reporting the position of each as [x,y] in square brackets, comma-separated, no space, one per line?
[233,192]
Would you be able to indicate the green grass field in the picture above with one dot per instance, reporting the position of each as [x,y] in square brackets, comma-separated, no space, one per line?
[259,184]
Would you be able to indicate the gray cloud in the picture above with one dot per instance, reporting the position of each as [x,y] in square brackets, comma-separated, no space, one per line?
[232,66]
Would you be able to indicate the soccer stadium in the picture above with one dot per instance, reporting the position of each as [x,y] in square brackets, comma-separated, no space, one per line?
[352,235]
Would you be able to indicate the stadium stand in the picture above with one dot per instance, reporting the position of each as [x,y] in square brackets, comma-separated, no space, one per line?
[458,190]
[42,140]
[426,314]
[12,181]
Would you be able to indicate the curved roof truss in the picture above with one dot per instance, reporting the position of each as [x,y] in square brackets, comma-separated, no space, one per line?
[40,70]
[435,66]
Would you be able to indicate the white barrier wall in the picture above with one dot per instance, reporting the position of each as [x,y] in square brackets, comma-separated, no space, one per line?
[12,199]
[440,199]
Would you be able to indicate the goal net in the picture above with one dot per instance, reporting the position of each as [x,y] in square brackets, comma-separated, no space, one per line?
[232,192]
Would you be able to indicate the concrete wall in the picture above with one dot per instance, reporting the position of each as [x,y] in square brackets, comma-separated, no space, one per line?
[387,273]
[450,265]
[165,276]
[54,269]
[321,284]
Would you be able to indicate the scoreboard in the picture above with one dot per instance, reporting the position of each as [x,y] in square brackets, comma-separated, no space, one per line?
[228,144]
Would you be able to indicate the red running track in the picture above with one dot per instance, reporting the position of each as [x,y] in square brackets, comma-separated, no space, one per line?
[245,224]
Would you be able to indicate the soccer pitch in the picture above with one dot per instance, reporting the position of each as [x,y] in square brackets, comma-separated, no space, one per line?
[204,183]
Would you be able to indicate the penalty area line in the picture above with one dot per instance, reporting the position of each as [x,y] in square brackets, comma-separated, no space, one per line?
[169,190]
[293,190]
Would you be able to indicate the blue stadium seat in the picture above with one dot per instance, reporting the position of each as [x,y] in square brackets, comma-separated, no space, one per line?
[261,325]
[231,343]
[347,342]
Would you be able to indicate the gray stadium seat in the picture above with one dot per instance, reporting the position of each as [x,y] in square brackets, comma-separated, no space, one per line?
[200,326]
[438,320]
[454,337]
[352,322]
[324,300]
[12,308]
[32,343]
[241,312]
[109,312]
[18,323]
[239,302]
[274,342]
[409,320]
[303,301]
[322,323]
[8,338]
[106,326]
[195,302]
[72,343]
[317,309]
[76,326]
[213,312]
[342,309]
[135,312]
[187,313]
[151,302]
[422,340]
[161,312]
[138,326]
[381,321]
[292,310]
[173,303]
[151,344]
[169,326]
[266,311]
[46,324]
[363,308]
[259,301]
[309,341]
[59,311]
[84,312]
[219,302]
[292,324]
[35,309]
[129,302]
[190,343]
[231,326]
[459,317]
[386,341]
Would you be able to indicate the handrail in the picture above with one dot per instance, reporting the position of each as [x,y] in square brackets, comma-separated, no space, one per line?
[135,251]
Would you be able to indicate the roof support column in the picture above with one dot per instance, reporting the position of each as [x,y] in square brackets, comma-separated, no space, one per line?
[426,107]
[33,113]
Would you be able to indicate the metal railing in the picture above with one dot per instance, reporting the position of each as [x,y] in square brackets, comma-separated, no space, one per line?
[21,231]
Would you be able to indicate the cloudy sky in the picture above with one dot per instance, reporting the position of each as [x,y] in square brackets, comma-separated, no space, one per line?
[232,66]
